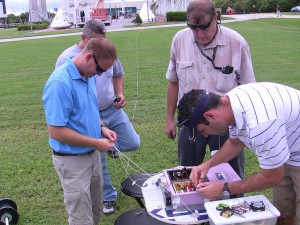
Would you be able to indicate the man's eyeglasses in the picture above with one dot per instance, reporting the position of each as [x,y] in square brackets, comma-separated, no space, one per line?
[201,26]
[98,68]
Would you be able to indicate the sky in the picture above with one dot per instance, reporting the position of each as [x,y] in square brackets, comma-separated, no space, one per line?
[18,6]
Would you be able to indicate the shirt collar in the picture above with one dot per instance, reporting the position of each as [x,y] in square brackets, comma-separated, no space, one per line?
[72,69]
[237,112]
[218,40]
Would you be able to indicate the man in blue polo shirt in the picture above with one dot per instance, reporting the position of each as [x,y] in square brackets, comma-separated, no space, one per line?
[72,115]
[109,86]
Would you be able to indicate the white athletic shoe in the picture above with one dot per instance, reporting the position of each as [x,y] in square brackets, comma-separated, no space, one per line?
[108,207]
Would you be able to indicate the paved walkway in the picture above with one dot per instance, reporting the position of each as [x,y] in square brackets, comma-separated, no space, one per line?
[118,25]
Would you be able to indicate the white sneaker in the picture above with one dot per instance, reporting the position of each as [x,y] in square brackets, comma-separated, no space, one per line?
[108,207]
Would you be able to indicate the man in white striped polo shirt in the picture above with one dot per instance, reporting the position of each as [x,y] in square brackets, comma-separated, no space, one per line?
[265,117]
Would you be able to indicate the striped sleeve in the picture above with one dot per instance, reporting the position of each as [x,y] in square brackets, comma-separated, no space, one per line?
[269,140]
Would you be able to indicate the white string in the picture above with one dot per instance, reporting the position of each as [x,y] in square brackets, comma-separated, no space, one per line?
[137,75]
[126,163]
[135,104]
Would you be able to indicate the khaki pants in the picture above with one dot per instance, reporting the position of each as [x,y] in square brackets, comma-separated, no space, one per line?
[82,183]
[286,195]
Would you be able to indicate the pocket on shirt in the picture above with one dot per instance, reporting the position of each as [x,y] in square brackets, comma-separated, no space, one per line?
[225,82]
[182,69]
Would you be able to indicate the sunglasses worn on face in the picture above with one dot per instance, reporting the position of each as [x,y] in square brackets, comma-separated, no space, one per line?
[98,68]
[200,26]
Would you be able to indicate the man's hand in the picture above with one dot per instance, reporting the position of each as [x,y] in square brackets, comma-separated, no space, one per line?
[119,102]
[170,130]
[210,190]
[198,173]
[104,145]
[109,134]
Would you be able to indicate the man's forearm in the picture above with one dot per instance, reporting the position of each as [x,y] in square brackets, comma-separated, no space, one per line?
[118,83]
[71,137]
[264,179]
[230,149]
[172,97]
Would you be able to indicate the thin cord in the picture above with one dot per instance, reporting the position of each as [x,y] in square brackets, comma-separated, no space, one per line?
[126,162]
[136,100]
[137,76]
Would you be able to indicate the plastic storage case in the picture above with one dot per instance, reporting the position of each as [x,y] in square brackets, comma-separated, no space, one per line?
[176,178]
[267,217]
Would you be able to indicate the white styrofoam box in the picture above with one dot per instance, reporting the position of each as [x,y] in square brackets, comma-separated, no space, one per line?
[267,217]
[220,173]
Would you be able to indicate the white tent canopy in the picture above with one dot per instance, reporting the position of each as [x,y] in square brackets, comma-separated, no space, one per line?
[146,14]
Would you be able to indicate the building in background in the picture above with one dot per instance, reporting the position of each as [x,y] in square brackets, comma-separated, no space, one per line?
[158,7]
[77,12]
[2,9]
[37,11]
[3,14]
[163,6]
[122,7]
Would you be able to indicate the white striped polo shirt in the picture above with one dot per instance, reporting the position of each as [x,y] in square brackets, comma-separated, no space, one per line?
[267,117]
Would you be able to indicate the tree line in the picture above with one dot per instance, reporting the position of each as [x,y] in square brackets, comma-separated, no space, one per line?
[23,18]
[260,6]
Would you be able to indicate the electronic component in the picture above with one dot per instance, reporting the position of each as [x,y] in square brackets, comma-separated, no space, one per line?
[226,213]
[176,185]
[117,99]
[257,206]
[167,198]
[240,208]
[222,206]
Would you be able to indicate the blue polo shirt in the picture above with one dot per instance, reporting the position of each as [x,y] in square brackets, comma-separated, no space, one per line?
[71,101]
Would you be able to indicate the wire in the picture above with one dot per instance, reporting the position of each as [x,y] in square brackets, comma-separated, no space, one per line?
[135,105]
[137,75]
[125,159]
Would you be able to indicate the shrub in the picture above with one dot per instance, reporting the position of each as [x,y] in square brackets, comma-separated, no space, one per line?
[138,19]
[176,16]
[40,26]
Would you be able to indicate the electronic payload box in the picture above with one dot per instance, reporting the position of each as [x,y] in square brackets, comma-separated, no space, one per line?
[180,193]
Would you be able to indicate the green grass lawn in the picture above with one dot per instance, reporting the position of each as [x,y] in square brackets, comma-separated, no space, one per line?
[14,33]
[27,174]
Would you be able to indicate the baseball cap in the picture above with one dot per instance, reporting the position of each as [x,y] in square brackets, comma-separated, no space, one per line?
[195,117]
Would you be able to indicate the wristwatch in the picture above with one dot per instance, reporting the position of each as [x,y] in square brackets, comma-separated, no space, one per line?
[103,125]
[225,192]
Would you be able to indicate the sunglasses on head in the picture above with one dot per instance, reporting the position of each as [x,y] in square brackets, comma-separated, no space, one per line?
[98,68]
[200,26]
